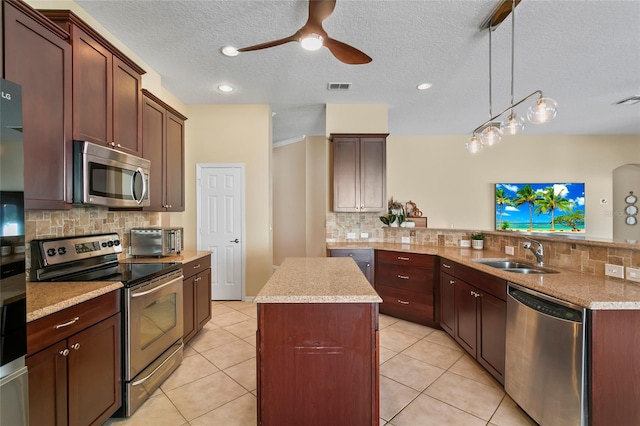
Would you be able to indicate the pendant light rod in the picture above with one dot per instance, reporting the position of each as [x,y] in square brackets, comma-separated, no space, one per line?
[513,43]
[537,92]
[490,91]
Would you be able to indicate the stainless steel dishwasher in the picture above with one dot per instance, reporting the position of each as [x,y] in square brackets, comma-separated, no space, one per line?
[545,357]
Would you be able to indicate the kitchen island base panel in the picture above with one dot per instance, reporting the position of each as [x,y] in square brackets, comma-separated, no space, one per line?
[318,364]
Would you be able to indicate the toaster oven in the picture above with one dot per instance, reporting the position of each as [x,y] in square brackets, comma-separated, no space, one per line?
[156,242]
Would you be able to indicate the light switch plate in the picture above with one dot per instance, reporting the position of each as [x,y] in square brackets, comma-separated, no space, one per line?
[615,271]
[633,274]
[364,235]
[351,235]
[406,240]
[509,250]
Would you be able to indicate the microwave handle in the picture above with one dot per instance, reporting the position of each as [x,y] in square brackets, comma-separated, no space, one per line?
[144,186]
[172,241]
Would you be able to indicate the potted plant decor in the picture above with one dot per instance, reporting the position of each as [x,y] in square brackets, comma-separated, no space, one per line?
[395,215]
[477,241]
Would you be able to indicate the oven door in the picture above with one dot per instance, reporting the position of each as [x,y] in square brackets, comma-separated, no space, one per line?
[154,311]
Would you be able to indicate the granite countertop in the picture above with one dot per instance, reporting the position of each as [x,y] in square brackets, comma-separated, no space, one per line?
[317,280]
[184,257]
[583,289]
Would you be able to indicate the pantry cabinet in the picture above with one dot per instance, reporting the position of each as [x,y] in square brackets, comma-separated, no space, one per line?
[359,172]
[37,56]
[196,295]
[74,362]
[163,145]
[107,96]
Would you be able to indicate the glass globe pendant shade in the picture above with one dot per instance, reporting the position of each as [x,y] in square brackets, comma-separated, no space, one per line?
[514,124]
[544,110]
[491,135]
[312,41]
[474,145]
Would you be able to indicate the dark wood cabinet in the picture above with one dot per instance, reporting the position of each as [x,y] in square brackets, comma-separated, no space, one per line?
[359,172]
[196,295]
[405,282]
[107,88]
[163,145]
[363,257]
[473,310]
[317,364]
[74,361]
[37,56]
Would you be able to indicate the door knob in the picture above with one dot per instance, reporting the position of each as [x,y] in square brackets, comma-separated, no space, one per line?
[235,241]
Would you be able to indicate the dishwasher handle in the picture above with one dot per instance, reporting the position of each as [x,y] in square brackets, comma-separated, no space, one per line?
[545,306]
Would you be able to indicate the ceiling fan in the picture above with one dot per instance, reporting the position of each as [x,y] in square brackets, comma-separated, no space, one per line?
[312,36]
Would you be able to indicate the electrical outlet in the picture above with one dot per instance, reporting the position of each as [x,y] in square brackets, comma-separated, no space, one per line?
[633,274]
[351,235]
[406,240]
[364,235]
[509,250]
[615,271]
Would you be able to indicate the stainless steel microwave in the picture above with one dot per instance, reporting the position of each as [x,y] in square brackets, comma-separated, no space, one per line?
[105,177]
[156,241]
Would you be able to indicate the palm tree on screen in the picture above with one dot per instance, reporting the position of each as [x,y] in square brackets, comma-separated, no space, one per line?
[526,195]
[501,201]
[550,202]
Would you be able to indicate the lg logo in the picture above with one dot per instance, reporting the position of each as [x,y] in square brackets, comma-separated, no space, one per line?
[6,96]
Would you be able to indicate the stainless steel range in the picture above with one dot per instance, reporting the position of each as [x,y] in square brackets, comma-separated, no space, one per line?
[151,301]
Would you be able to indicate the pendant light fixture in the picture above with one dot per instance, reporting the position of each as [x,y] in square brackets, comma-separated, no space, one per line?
[543,110]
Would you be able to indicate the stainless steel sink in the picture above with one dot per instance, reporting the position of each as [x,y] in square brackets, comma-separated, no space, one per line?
[515,266]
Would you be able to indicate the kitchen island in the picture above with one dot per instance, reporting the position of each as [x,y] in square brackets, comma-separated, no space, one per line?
[317,345]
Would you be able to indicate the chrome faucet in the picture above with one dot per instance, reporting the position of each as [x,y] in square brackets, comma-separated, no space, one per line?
[538,252]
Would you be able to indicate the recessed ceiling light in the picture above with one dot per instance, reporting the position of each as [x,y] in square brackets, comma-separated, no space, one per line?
[229,51]
[225,88]
[423,86]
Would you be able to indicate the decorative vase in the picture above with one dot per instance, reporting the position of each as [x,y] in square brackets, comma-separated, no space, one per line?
[477,244]
[395,223]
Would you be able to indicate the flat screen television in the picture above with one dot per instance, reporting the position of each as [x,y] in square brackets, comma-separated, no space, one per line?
[556,208]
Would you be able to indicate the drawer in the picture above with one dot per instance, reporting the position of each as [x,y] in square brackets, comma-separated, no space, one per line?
[198,265]
[483,281]
[359,255]
[447,266]
[412,278]
[48,330]
[401,258]
[407,305]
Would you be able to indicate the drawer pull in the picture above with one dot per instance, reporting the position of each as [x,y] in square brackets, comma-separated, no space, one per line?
[75,346]
[64,352]
[197,279]
[403,277]
[350,254]
[446,266]
[403,258]
[452,281]
[196,266]
[68,323]
[404,302]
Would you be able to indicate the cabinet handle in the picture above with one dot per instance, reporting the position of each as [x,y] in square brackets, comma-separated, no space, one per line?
[404,302]
[446,266]
[452,281]
[403,277]
[118,145]
[75,346]
[64,352]
[402,258]
[68,323]
[196,266]
[197,279]
[350,254]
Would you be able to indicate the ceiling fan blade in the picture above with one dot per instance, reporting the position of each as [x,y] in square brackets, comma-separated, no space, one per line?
[345,53]
[273,43]
[319,10]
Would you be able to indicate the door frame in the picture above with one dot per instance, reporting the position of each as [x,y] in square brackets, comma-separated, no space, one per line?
[199,168]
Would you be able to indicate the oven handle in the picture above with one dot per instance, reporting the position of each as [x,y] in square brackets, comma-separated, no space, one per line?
[153,290]
[144,379]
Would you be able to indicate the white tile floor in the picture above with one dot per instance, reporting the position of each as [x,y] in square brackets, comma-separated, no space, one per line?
[425,379]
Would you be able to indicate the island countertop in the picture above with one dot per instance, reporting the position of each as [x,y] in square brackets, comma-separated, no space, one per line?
[318,280]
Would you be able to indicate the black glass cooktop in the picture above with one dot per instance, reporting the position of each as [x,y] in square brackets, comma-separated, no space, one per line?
[129,274]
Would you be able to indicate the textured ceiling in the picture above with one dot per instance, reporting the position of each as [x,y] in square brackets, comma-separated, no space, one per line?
[584,54]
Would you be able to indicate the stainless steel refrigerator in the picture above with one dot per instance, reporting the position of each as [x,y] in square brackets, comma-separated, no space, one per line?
[14,394]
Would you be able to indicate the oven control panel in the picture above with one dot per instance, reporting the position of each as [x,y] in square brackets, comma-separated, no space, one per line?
[61,250]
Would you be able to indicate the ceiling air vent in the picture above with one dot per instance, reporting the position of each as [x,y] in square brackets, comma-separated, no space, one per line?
[629,101]
[338,86]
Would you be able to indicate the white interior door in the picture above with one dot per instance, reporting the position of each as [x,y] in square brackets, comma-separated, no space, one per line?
[220,206]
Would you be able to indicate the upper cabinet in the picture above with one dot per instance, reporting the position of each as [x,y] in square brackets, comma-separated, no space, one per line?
[163,145]
[37,56]
[359,172]
[107,88]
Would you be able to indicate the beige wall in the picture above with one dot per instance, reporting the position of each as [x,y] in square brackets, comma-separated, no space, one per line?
[316,198]
[356,118]
[234,134]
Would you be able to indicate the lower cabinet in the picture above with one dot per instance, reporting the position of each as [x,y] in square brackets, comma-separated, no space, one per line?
[363,258]
[74,363]
[473,310]
[196,295]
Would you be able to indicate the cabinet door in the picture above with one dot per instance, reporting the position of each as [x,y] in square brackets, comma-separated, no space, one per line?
[188,311]
[492,329]
[203,298]
[346,175]
[127,108]
[95,373]
[466,317]
[447,303]
[373,185]
[48,386]
[174,164]
[40,62]
[92,89]
[153,135]
[367,269]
